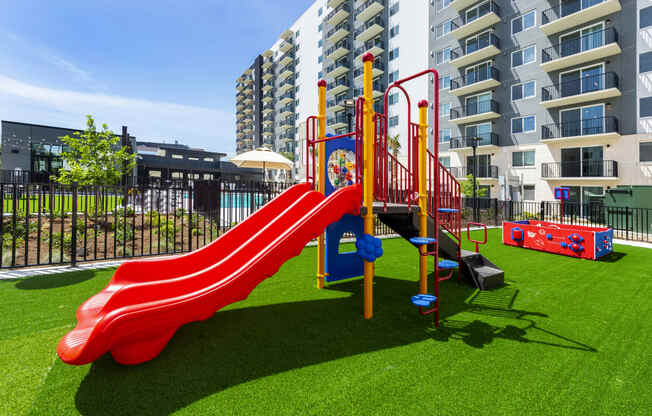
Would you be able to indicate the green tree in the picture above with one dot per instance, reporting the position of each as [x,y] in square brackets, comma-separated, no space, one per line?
[394,144]
[94,157]
[467,188]
[288,155]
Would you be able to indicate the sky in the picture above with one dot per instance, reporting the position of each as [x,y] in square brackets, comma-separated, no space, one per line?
[166,69]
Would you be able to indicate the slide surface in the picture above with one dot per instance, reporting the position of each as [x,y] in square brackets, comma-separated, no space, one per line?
[146,301]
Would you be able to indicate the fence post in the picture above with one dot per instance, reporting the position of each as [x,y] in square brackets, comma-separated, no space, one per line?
[542,214]
[496,211]
[73,245]
[626,223]
[191,195]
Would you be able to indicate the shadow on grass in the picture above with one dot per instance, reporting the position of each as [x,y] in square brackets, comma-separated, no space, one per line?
[498,304]
[240,345]
[613,257]
[55,280]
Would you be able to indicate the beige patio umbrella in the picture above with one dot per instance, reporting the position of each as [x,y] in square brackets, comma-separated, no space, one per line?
[262,158]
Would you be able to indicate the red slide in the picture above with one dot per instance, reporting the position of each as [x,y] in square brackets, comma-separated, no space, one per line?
[146,301]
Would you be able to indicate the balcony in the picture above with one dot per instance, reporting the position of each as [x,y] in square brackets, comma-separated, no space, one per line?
[371,29]
[569,14]
[249,100]
[581,90]
[267,87]
[374,46]
[338,86]
[377,70]
[286,111]
[337,122]
[338,68]
[248,110]
[475,20]
[334,3]
[248,90]
[603,129]
[339,50]
[286,71]
[368,10]
[286,46]
[484,172]
[286,85]
[268,63]
[239,87]
[473,112]
[268,121]
[484,46]
[586,169]
[268,98]
[475,81]
[576,51]
[268,75]
[267,111]
[488,141]
[337,104]
[286,99]
[338,32]
[338,14]
[239,107]
[286,59]
[378,88]
[460,5]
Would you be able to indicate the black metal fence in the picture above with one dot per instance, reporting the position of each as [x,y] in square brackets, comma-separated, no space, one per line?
[628,223]
[46,224]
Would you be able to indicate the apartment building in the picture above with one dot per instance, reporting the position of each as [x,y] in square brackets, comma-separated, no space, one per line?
[552,93]
[327,42]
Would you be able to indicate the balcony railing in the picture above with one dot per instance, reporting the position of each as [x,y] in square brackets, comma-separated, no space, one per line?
[580,169]
[378,64]
[372,43]
[483,9]
[378,20]
[484,40]
[339,82]
[484,171]
[486,139]
[343,6]
[475,77]
[586,127]
[472,109]
[565,8]
[368,3]
[344,43]
[340,100]
[343,25]
[288,121]
[344,63]
[579,86]
[338,119]
[580,44]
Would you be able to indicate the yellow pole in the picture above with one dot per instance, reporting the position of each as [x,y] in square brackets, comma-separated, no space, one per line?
[423,196]
[321,173]
[369,136]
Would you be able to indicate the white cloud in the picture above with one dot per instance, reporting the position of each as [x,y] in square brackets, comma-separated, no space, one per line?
[147,120]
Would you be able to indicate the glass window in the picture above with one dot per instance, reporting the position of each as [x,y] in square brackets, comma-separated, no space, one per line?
[393,54]
[393,31]
[445,82]
[393,98]
[445,135]
[393,121]
[528,193]
[524,124]
[524,90]
[646,17]
[524,56]
[646,107]
[521,159]
[394,9]
[645,151]
[645,62]
[524,22]
[445,161]
[444,110]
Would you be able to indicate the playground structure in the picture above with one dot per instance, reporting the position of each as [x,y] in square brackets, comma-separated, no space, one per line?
[350,179]
[568,240]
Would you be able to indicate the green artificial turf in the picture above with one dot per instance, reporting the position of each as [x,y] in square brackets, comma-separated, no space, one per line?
[563,337]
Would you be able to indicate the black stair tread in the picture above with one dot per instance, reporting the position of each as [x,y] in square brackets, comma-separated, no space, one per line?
[487,271]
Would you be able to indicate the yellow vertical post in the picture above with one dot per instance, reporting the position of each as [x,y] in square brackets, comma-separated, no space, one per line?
[423,195]
[321,176]
[369,136]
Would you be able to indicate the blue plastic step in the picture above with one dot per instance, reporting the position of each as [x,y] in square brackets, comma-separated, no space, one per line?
[424,300]
[422,241]
[448,264]
[447,210]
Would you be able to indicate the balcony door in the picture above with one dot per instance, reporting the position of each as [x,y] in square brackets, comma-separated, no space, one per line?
[571,162]
[581,81]
[483,131]
[478,73]
[582,40]
[593,161]
[582,121]
[478,42]
[484,166]
[478,104]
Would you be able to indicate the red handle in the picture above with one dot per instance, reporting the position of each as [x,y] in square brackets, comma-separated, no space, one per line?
[468,234]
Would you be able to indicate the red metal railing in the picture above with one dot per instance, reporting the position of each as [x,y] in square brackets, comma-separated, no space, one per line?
[450,192]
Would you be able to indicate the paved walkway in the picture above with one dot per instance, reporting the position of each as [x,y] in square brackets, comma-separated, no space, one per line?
[42,271]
